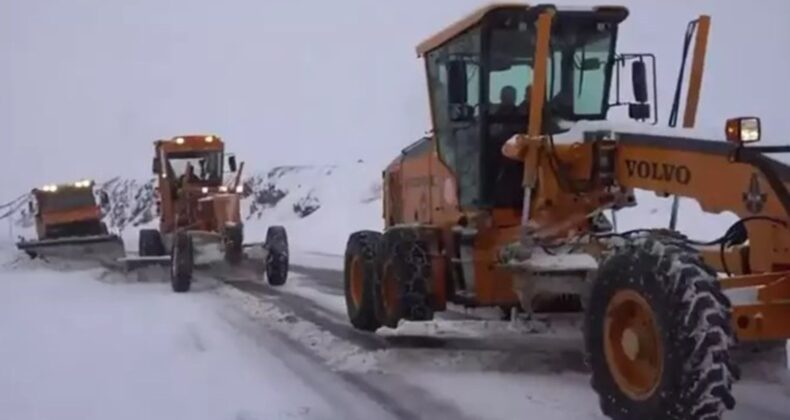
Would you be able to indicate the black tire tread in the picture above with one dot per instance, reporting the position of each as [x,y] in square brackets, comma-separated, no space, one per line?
[234,241]
[363,244]
[150,243]
[686,296]
[277,262]
[181,260]
[407,251]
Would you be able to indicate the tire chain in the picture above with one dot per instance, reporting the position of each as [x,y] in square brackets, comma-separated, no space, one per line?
[409,254]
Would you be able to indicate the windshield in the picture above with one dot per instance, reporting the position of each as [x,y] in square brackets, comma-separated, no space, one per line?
[578,70]
[206,166]
[66,199]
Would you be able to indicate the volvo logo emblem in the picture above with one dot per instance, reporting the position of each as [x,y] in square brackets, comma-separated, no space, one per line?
[754,199]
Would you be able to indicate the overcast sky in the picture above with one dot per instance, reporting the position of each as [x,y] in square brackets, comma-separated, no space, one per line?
[87,85]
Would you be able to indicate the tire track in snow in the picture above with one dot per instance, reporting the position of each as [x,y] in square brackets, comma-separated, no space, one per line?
[330,281]
[310,311]
[401,400]
[384,389]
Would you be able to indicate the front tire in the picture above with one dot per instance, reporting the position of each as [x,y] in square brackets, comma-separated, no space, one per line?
[658,334]
[277,255]
[181,262]
[234,239]
[360,276]
[150,243]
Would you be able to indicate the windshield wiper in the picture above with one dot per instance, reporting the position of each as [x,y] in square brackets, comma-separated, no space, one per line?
[582,70]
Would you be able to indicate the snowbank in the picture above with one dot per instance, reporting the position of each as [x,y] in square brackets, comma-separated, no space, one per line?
[347,198]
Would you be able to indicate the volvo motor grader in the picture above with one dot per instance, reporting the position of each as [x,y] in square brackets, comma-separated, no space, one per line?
[200,216]
[493,210]
[69,224]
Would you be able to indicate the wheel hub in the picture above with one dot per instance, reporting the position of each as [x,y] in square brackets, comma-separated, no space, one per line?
[630,344]
[633,345]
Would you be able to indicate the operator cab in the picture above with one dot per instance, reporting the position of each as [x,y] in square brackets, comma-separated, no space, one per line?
[198,159]
[480,72]
[65,197]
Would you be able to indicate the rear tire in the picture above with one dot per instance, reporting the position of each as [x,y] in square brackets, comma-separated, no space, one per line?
[658,334]
[181,262]
[404,286]
[150,243]
[277,255]
[234,239]
[360,276]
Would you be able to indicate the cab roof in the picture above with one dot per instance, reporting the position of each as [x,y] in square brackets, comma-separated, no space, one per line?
[472,19]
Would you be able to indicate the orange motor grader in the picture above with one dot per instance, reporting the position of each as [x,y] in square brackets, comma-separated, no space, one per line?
[199,215]
[493,210]
[69,224]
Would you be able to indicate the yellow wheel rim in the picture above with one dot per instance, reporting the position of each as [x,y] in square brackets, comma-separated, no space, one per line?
[633,346]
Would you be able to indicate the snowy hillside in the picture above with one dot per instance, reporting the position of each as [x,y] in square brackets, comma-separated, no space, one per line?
[319,205]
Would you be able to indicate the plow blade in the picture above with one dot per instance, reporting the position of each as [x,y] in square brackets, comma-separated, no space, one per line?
[136,263]
[248,270]
[208,261]
[104,249]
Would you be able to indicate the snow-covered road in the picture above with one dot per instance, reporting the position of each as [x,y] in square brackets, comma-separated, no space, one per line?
[75,347]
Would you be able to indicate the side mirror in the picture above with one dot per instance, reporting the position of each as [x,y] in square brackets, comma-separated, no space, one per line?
[30,206]
[155,166]
[639,112]
[743,130]
[639,81]
[457,82]
[104,198]
[232,163]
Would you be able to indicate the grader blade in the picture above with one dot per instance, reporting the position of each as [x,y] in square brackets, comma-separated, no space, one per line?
[104,249]
[135,263]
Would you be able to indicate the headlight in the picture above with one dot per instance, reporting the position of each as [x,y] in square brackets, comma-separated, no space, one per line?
[209,139]
[204,190]
[750,130]
[223,188]
[50,188]
[240,189]
[180,140]
[743,130]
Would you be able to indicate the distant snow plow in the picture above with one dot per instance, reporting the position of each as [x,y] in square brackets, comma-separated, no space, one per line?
[200,218]
[69,225]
